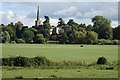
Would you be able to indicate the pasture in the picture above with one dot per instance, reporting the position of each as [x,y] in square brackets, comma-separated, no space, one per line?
[88,53]
[59,73]
[58,53]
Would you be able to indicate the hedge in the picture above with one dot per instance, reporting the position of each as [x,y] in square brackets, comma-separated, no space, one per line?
[24,61]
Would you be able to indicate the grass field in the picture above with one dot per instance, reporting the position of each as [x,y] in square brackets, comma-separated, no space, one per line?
[89,53]
[63,73]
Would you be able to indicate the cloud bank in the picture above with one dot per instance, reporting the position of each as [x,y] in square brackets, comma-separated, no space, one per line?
[80,12]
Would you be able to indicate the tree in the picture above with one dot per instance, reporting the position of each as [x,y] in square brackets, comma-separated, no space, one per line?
[39,38]
[64,28]
[91,37]
[61,23]
[73,25]
[116,33]
[63,38]
[103,27]
[19,26]
[12,25]
[2,27]
[46,28]
[77,37]
[11,32]
[83,26]
[5,37]
[33,30]
[46,23]
[89,27]
[28,35]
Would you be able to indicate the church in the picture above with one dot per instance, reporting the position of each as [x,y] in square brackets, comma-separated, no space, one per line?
[38,24]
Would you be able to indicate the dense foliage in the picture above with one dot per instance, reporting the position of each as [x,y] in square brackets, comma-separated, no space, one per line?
[44,63]
[24,61]
[71,32]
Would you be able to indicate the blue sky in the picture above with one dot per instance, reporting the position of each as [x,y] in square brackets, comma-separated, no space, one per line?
[81,12]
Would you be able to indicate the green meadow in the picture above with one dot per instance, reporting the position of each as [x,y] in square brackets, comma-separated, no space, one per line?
[89,53]
[58,53]
[59,73]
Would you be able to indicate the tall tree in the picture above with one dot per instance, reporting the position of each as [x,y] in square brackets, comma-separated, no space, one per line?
[19,26]
[103,27]
[12,31]
[62,26]
[91,37]
[77,37]
[63,38]
[46,28]
[61,23]
[73,25]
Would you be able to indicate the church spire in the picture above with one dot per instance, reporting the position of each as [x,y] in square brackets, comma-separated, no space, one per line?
[38,13]
[38,22]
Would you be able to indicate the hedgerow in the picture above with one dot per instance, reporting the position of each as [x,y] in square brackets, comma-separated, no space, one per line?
[24,61]
[45,63]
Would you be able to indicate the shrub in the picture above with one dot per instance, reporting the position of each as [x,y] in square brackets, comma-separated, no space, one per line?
[107,42]
[8,61]
[39,38]
[21,61]
[103,42]
[24,61]
[20,41]
[115,42]
[101,60]
[41,61]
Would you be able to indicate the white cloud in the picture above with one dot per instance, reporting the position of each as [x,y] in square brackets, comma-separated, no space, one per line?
[109,13]
[53,21]
[87,21]
[10,16]
[66,12]
[1,13]
[92,13]
[32,15]
[114,23]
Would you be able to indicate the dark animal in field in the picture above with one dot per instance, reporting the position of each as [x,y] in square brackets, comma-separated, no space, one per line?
[81,45]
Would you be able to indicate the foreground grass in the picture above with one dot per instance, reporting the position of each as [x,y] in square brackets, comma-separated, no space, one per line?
[88,53]
[59,73]
[58,53]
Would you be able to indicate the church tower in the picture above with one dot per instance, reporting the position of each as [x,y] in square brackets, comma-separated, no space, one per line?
[38,22]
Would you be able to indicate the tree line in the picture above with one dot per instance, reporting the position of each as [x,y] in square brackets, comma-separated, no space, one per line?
[71,32]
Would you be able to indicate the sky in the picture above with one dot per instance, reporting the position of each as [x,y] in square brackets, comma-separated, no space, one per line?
[81,12]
